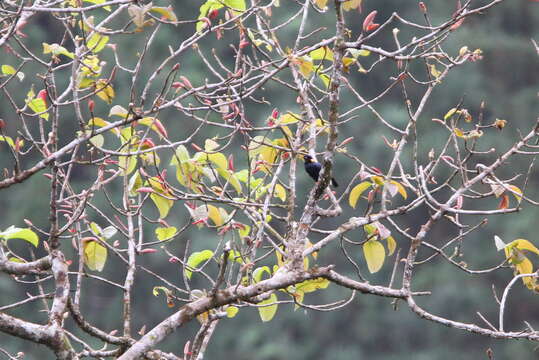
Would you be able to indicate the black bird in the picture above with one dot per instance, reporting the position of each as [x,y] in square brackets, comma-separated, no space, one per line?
[313,169]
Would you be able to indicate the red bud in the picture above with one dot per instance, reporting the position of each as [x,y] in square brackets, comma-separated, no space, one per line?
[91,105]
[368,23]
[148,251]
[42,95]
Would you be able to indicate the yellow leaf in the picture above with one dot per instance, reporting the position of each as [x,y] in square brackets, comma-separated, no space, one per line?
[517,191]
[523,244]
[321,4]
[351,5]
[215,215]
[165,233]
[95,255]
[166,12]
[434,72]
[231,311]
[400,188]
[374,254]
[312,285]
[458,132]
[526,267]
[280,192]
[268,311]
[356,192]
[322,53]
[163,205]
[218,159]
[450,113]
[104,90]
[306,67]
[391,245]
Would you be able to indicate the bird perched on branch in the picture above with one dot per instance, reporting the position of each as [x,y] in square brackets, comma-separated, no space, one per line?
[313,169]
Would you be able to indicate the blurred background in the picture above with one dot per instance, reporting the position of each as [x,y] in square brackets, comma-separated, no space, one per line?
[369,327]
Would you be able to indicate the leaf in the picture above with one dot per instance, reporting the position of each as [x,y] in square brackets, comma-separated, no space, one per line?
[434,71]
[458,132]
[195,259]
[8,70]
[369,21]
[356,192]
[97,42]
[400,189]
[450,113]
[374,254]
[39,106]
[99,2]
[162,204]
[155,125]
[504,202]
[238,6]
[166,12]
[210,145]
[215,215]
[322,53]
[118,110]
[309,286]
[266,311]
[321,4]
[391,245]
[500,245]
[8,140]
[516,191]
[105,90]
[259,272]
[523,244]
[109,232]
[231,311]
[280,192]
[13,232]
[165,233]
[351,5]
[56,50]
[95,255]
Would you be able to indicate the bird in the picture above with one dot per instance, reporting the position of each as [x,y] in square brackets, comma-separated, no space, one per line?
[313,169]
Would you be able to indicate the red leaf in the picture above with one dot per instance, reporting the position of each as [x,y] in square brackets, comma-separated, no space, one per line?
[504,202]
[369,20]
[231,162]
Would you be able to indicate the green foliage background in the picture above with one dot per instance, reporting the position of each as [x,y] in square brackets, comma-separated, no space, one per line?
[506,79]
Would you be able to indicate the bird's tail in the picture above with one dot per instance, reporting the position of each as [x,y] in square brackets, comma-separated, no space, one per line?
[334,183]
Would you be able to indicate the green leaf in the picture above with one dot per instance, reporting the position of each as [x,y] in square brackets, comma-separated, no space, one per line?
[237,5]
[95,255]
[56,50]
[268,311]
[13,232]
[162,204]
[196,259]
[374,254]
[8,70]
[356,192]
[8,140]
[39,106]
[259,272]
[165,233]
[97,42]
